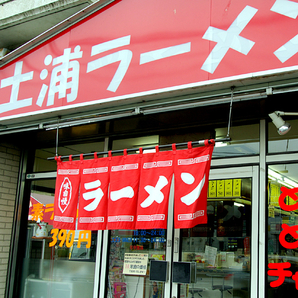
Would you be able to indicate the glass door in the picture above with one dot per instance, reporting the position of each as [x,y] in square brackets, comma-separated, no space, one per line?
[57,263]
[219,258]
[149,251]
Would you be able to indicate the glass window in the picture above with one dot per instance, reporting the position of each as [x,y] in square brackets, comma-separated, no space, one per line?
[282,247]
[147,141]
[133,249]
[41,164]
[244,141]
[60,264]
[220,249]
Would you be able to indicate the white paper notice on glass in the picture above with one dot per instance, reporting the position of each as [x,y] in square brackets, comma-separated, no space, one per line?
[210,255]
[135,264]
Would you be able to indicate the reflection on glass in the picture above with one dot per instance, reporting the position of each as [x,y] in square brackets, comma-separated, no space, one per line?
[130,252]
[55,265]
[244,142]
[282,215]
[141,142]
[220,249]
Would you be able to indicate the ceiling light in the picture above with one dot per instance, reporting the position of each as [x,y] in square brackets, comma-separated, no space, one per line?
[282,126]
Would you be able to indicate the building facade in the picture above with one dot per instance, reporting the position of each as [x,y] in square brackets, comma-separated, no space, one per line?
[21,21]
[179,74]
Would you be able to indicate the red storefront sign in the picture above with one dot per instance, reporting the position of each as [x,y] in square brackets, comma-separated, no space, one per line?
[162,45]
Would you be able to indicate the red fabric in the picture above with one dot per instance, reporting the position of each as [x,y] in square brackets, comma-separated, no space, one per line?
[191,185]
[93,194]
[155,182]
[139,187]
[66,194]
[123,193]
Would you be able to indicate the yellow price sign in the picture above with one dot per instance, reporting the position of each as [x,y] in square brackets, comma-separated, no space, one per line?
[212,189]
[220,188]
[236,187]
[68,238]
[229,188]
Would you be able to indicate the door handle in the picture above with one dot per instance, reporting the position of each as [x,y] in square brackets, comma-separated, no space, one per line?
[176,243]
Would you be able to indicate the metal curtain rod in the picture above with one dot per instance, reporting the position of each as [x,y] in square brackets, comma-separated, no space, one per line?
[201,142]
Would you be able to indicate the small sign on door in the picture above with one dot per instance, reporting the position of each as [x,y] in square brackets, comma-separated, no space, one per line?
[135,264]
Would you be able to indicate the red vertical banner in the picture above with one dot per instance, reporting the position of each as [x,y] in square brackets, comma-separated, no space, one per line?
[123,193]
[93,202]
[155,183]
[191,172]
[66,194]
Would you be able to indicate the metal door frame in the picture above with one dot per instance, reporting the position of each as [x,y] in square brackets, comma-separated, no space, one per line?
[230,173]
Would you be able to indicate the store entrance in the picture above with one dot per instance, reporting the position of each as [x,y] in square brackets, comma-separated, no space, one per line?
[218,259]
[215,260]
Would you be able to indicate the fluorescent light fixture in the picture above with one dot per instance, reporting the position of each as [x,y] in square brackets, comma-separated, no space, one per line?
[290,183]
[274,175]
[281,179]
[146,151]
[221,144]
